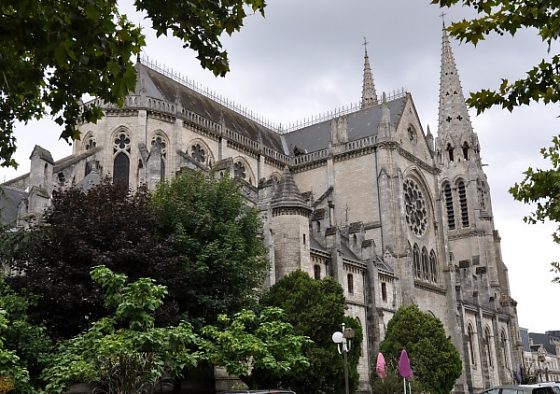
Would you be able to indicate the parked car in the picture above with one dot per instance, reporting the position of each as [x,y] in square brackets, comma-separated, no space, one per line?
[520,390]
[555,386]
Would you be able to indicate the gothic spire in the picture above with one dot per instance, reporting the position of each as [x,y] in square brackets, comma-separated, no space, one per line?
[453,113]
[369,96]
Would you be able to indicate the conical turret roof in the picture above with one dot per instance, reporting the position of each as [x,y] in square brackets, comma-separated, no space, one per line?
[287,194]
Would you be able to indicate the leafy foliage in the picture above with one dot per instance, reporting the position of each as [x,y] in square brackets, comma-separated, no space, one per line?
[542,187]
[81,230]
[435,361]
[196,237]
[24,340]
[13,376]
[52,53]
[316,309]
[124,352]
[215,237]
[256,342]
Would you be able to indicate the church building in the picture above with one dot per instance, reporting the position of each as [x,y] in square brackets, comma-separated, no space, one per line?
[364,195]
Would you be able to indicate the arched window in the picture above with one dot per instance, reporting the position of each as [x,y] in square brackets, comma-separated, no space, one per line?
[416,260]
[503,343]
[350,279]
[470,338]
[121,160]
[239,170]
[448,195]
[488,345]
[466,150]
[304,239]
[317,271]
[433,266]
[121,168]
[463,203]
[425,265]
[450,152]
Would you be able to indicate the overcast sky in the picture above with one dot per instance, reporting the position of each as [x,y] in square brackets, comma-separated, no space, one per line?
[306,57]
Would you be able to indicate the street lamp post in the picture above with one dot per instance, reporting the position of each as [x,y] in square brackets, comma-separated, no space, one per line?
[344,343]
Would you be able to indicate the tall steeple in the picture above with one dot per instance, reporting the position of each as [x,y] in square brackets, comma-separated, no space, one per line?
[453,113]
[369,96]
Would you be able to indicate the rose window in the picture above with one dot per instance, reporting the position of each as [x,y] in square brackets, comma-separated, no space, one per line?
[415,205]
[122,142]
[159,141]
[239,170]
[198,153]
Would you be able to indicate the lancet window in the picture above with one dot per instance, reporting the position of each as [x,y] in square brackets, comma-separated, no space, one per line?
[463,203]
[448,195]
[503,345]
[121,159]
[425,265]
[433,266]
[450,152]
[466,150]
[470,339]
[416,261]
[488,345]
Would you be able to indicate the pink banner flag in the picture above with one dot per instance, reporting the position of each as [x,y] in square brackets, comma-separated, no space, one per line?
[381,368]
[404,366]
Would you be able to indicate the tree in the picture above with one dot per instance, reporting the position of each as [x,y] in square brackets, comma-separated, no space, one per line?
[316,309]
[251,341]
[543,188]
[435,361]
[25,341]
[106,225]
[52,53]
[541,83]
[124,352]
[206,223]
[194,236]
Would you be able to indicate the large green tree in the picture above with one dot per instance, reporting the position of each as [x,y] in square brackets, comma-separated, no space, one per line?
[195,236]
[53,52]
[214,234]
[435,361]
[540,84]
[316,309]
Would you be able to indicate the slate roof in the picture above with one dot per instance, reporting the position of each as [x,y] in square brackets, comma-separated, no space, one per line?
[42,153]
[9,201]
[362,123]
[287,194]
[544,340]
[156,85]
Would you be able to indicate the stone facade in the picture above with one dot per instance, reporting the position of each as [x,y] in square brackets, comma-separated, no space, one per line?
[365,196]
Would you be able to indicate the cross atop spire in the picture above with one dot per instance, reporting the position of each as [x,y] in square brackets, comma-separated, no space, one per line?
[442,16]
[369,96]
[453,113]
